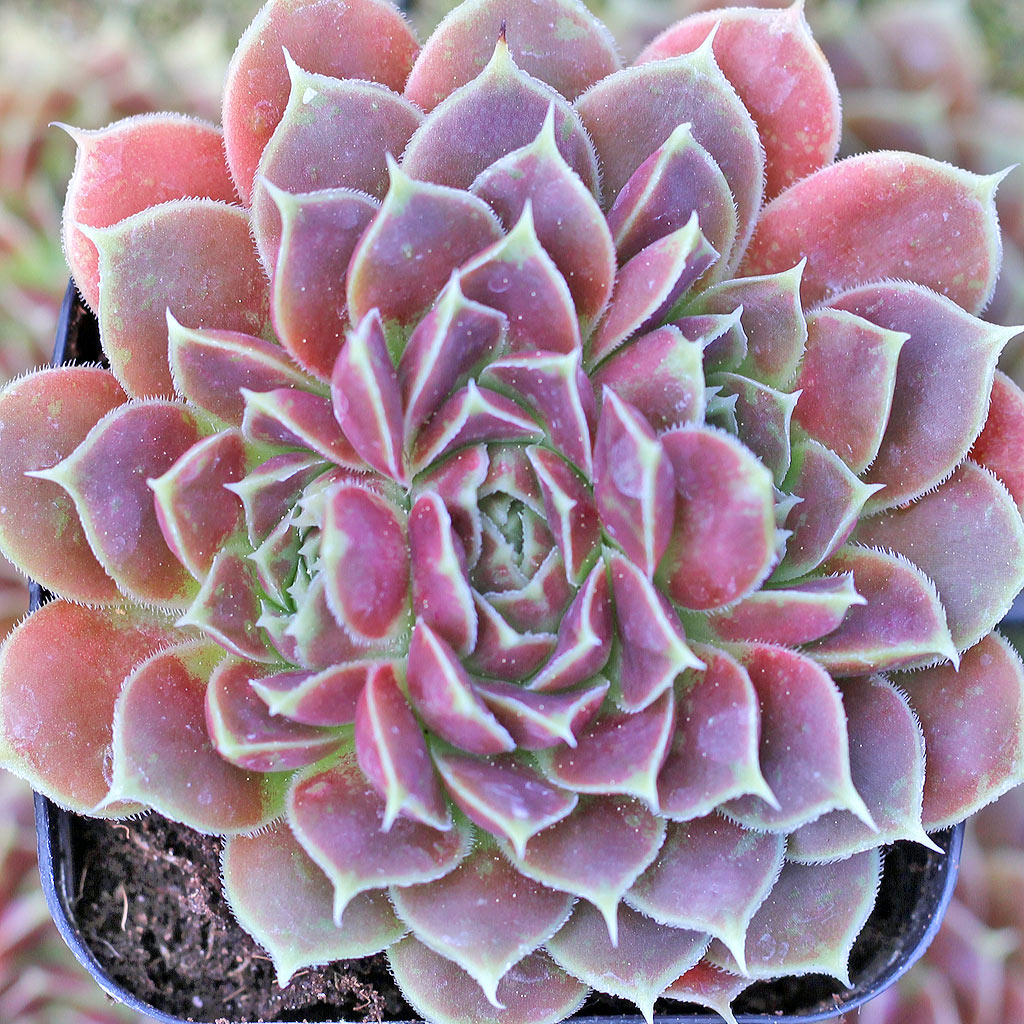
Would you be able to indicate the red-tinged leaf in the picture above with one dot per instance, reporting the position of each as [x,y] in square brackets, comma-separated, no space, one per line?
[633,483]
[721,335]
[781,75]
[884,215]
[805,752]
[947,363]
[334,134]
[810,920]
[584,637]
[211,367]
[850,420]
[323,698]
[708,986]
[503,652]
[557,41]
[481,891]
[597,852]
[441,594]
[337,816]
[534,991]
[366,39]
[366,563]
[887,766]
[196,514]
[503,794]
[517,277]
[903,622]
[1001,441]
[393,754]
[61,671]
[627,127]
[638,966]
[471,416]
[455,337]
[442,692]
[713,755]
[968,538]
[763,420]
[271,491]
[500,110]
[193,258]
[539,606]
[539,720]
[107,476]
[676,181]
[652,644]
[571,512]
[510,474]
[423,227]
[130,165]
[569,223]
[246,733]
[801,613]
[284,901]
[710,876]
[43,419]
[228,607]
[367,398]
[289,418]
[973,735]
[160,720]
[458,481]
[723,538]
[832,500]
[618,752]
[319,232]
[649,285]
[772,318]
[555,387]
[661,375]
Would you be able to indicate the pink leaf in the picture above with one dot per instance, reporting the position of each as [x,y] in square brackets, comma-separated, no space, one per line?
[1001,441]
[325,698]
[540,720]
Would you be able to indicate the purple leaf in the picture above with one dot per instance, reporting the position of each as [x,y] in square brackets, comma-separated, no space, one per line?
[763,420]
[504,652]
[323,698]
[539,720]
[539,606]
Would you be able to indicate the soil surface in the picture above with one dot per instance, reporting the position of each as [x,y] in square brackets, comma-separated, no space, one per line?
[147,897]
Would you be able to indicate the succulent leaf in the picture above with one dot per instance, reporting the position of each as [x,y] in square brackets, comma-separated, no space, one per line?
[323,698]
[710,986]
[1000,440]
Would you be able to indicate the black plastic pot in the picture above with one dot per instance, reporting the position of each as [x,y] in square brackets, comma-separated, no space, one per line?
[917,884]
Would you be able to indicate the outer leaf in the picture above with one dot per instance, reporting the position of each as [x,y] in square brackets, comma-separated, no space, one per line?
[367,39]
[948,362]
[558,41]
[393,753]
[884,215]
[597,852]
[714,750]
[708,986]
[283,900]
[482,889]
[887,766]
[977,564]
[160,718]
[130,165]
[780,74]
[193,257]
[337,816]
[534,991]
[499,111]
[65,649]
[723,539]
[710,876]
[1002,439]
[804,745]
[108,474]
[627,127]
[646,957]
[972,721]
[40,531]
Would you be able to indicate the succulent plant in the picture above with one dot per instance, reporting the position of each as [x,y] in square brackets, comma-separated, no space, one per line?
[40,982]
[528,493]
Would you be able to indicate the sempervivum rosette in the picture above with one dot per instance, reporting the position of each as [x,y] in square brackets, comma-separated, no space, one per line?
[506,515]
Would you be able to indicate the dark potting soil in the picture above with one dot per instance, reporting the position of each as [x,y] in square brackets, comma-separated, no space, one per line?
[148,901]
